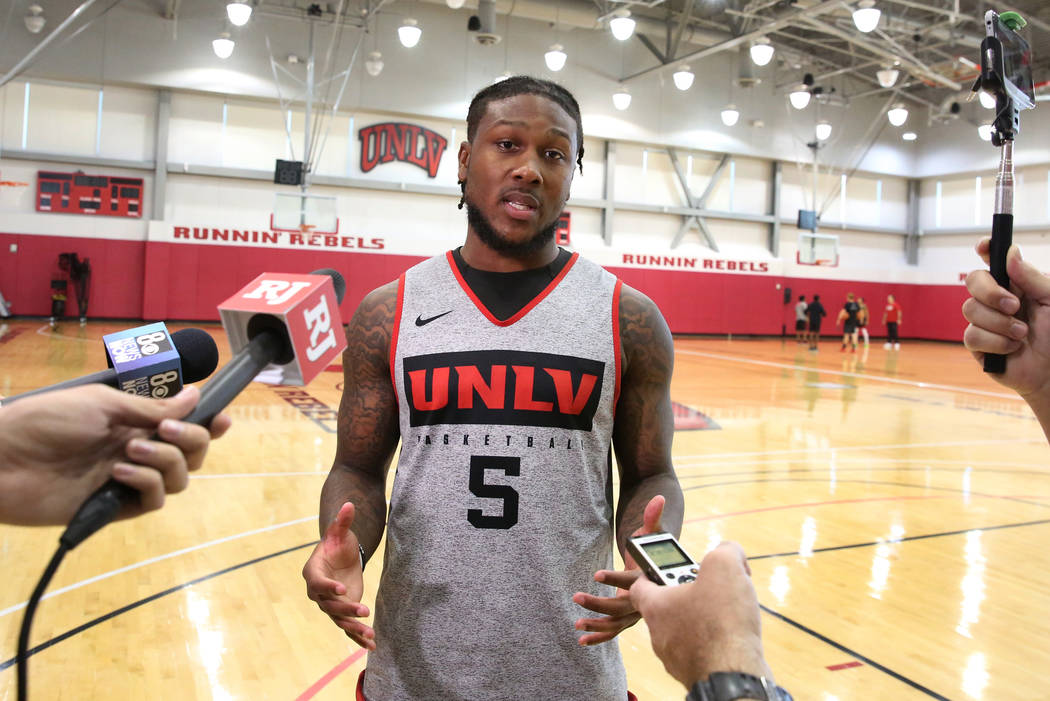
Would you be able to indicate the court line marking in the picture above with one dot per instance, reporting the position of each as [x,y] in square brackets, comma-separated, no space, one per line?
[66,338]
[843,373]
[906,539]
[153,597]
[153,560]
[854,654]
[784,507]
[329,676]
[851,448]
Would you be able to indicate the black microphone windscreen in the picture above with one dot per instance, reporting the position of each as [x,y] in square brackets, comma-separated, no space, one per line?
[199,354]
[337,281]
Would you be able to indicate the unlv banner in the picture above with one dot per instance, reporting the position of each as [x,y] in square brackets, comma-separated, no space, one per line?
[398,141]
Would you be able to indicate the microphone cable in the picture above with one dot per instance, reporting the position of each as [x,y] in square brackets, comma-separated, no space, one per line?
[22,656]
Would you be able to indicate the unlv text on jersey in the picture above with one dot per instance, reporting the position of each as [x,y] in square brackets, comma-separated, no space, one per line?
[500,387]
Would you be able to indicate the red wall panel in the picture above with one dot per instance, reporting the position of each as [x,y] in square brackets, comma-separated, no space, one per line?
[139,280]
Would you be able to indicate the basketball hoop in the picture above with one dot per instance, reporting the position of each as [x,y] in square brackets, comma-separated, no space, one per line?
[307,228]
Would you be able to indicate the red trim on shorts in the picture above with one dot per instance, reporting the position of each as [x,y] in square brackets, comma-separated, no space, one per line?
[526,309]
[361,689]
[616,340]
[397,325]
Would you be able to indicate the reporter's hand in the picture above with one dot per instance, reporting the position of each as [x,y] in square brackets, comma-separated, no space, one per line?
[1013,322]
[335,579]
[59,447]
[710,625]
[618,613]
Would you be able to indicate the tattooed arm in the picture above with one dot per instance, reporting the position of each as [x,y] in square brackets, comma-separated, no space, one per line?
[650,496]
[353,499]
[368,424]
[644,420]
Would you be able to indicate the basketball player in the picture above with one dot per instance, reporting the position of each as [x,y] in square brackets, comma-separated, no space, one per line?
[708,633]
[892,317]
[57,448]
[800,319]
[848,314]
[816,313]
[862,321]
[500,366]
[1016,323]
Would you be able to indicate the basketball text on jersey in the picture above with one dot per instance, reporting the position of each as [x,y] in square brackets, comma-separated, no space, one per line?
[500,387]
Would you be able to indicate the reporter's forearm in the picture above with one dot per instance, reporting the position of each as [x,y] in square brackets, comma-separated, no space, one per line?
[1039,402]
[368,494]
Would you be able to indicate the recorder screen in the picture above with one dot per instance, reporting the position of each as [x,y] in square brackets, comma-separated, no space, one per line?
[665,554]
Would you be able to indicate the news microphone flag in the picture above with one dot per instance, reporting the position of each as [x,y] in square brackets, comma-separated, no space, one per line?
[307,306]
[145,361]
[297,328]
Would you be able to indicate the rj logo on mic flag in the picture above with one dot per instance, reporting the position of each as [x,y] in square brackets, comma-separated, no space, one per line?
[309,309]
[145,361]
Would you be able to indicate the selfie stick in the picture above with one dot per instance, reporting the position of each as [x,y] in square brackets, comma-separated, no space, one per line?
[1009,101]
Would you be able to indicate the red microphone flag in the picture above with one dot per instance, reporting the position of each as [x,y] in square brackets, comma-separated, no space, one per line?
[308,308]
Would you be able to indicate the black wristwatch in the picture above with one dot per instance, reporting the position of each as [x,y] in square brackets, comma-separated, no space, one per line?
[729,686]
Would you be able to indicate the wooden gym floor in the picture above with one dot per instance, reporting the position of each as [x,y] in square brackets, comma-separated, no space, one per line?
[895,505]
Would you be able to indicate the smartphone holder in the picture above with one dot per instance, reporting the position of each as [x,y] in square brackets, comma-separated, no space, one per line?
[1001,70]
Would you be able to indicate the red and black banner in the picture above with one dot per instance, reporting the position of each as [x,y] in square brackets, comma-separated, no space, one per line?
[398,141]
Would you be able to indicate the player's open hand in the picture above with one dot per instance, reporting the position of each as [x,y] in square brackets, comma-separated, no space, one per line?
[334,579]
[618,613]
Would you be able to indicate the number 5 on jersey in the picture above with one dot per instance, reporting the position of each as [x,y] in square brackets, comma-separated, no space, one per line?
[509,466]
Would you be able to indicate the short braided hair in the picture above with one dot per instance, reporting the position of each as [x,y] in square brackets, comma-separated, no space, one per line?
[525,85]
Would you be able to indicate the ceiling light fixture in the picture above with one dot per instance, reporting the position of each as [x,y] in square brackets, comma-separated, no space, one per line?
[887,76]
[866,16]
[409,32]
[985,132]
[987,99]
[909,136]
[223,46]
[239,13]
[621,98]
[730,115]
[374,64]
[454,4]
[761,51]
[898,114]
[34,20]
[823,130]
[621,24]
[683,78]
[555,57]
[799,97]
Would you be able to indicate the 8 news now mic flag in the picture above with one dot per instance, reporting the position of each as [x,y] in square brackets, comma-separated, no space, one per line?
[145,361]
[309,309]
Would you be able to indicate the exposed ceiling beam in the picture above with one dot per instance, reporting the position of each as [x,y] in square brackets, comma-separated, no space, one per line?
[787,19]
[913,67]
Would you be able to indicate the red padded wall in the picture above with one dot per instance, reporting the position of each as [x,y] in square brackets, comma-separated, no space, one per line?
[139,280]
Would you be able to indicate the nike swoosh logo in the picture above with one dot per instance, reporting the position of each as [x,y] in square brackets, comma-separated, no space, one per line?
[420,321]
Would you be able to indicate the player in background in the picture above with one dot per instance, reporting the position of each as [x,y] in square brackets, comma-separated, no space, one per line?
[892,318]
[849,314]
[863,317]
[816,313]
[800,320]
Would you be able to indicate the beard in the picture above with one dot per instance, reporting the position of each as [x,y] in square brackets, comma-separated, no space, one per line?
[497,242]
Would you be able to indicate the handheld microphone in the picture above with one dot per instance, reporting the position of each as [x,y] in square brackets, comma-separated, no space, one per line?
[291,321]
[154,372]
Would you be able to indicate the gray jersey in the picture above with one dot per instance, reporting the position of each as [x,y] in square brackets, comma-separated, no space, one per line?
[800,311]
[502,502]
